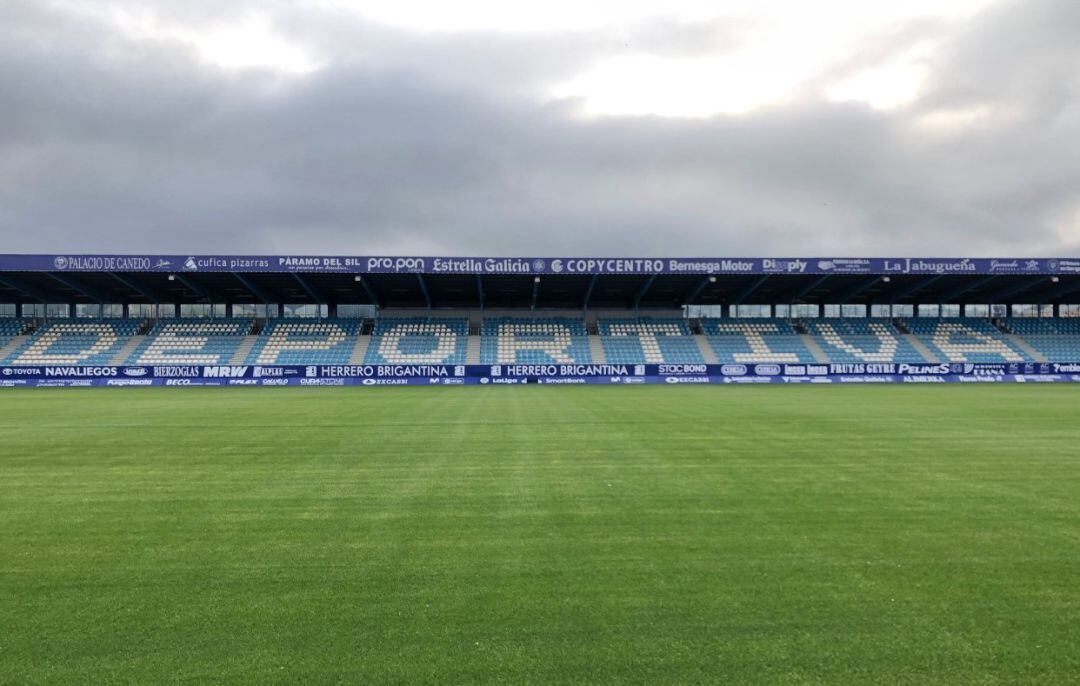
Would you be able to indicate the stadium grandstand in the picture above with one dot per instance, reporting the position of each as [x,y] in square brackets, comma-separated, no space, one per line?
[85,311]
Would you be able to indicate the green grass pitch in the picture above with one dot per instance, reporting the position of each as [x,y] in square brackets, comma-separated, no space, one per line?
[541,535]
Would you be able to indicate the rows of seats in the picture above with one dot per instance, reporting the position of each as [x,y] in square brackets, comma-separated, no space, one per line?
[427,340]
[965,340]
[306,341]
[540,340]
[861,340]
[10,327]
[1057,339]
[534,340]
[755,340]
[192,341]
[648,341]
[75,342]
[1035,326]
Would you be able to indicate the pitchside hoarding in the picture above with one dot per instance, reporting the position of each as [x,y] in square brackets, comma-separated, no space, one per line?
[623,374]
[538,265]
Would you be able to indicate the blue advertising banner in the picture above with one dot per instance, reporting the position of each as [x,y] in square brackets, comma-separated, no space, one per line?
[427,375]
[538,265]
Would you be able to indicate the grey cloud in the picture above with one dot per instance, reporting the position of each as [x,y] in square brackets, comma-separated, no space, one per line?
[409,143]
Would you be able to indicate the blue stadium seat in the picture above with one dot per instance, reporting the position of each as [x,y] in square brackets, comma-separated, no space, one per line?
[306,341]
[192,341]
[10,327]
[418,340]
[534,340]
[648,340]
[738,340]
[965,339]
[854,340]
[1057,339]
[75,342]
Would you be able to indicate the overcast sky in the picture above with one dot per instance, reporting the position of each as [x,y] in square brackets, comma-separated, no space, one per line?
[607,127]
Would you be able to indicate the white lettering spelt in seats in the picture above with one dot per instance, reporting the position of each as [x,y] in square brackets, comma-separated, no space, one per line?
[445,343]
[956,351]
[303,337]
[168,347]
[509,342]
[649,335]
[38,353]
[886,351]
[760,350]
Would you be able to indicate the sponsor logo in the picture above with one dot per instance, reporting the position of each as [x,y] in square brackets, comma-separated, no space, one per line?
[177,372]
[683,369]
[243,382]
[733,370]
[274,382]
[1068,368]
[65,383]
[845,266]
[229,372]
[711,267]
[136,371]
[129,382]
[399,264]
[324,382]
[556,267]
[784,266]
[190,265]
[260,372]
[767,370]
[102,263]
[80,371]
[177,382]
[23,371]
[929,369]
[920,266]
[539,265]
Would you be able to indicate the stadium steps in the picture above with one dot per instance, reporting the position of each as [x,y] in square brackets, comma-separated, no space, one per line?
[819,355]
[707,351]
[921,347]
[14,344]
[359,351]
[472,354]
[1021,344]
[596,349]
[127,350]
[243,350]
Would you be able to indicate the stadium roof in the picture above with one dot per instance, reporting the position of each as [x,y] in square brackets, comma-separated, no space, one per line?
[565,283]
